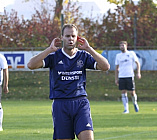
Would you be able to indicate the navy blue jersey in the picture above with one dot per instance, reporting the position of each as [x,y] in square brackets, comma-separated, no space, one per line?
[68,74]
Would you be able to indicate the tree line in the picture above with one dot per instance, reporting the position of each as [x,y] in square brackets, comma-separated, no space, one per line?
[134,23]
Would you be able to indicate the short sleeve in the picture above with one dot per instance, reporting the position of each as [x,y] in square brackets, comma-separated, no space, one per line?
[91,63]
[3,61]
[135,56]
[116,60]
[48,61]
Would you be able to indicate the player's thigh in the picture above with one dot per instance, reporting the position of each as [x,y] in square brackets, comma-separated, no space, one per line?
[130,84]
[86,135]
[63,124]
[123,91]
[83,119]
[132,92]
[122,84]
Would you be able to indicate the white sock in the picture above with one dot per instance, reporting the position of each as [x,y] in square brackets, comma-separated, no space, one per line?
[1,116]
[134,98]
[125,101]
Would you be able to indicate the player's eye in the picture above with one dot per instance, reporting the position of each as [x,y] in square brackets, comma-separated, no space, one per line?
[67,35]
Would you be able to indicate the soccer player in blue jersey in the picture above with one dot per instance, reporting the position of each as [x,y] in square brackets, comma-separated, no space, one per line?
[124,75]
[70,108]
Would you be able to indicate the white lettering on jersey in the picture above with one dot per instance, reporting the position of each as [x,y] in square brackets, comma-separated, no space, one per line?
[72,75]
[69,73]
[69,78]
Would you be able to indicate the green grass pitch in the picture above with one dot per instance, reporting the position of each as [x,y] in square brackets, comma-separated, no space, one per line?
[31,120]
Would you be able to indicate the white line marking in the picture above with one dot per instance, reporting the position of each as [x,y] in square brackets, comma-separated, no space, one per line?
[123,135]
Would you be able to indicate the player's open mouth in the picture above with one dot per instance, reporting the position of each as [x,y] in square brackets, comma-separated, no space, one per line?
[71,43]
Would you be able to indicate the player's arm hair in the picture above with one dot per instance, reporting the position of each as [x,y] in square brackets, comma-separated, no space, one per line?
[116,72]
[138,67]
[37,60]
[6,76]
[102,62]
[6,79]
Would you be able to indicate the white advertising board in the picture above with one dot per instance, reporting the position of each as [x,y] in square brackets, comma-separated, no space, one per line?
[17,60]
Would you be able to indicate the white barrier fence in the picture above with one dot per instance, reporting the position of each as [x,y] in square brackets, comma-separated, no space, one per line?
[17,60]
[147,58]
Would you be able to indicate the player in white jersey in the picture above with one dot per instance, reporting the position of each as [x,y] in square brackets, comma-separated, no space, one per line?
[70,108]
[124,75]
[3,75]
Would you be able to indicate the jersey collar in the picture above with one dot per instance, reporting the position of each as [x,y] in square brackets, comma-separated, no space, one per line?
[70,57]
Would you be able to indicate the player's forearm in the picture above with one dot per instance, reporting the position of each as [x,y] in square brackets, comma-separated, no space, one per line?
[116,72]
[138,75]
[37,61]
[138,68]
[116,75]
[6,77]
[102,63]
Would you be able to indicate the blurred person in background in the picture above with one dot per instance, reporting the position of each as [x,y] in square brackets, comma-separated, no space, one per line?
[124,75]
[4,77]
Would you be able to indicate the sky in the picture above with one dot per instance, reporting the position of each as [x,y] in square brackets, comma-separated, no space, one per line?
[4,3]
[100,3]
[98,6]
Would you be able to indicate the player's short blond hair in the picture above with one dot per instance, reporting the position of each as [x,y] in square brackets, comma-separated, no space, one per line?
[68,26]
[123,42]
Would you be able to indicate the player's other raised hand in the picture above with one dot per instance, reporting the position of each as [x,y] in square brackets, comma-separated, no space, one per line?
[55,44]
[84,45]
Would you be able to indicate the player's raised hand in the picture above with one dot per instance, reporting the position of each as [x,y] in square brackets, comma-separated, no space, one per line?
[84,45]
[55,44]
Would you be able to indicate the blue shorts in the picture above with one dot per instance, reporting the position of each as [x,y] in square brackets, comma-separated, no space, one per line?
[70,117]
[127,83]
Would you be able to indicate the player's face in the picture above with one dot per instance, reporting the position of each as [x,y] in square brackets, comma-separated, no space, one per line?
[123,47]
[69,38]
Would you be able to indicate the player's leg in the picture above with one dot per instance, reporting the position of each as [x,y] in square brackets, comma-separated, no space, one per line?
[1,110]
[122,87]
[125,101]
[1,117]
[86,135]
[63,125]
[82,120]
[134,100]
[131,88]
